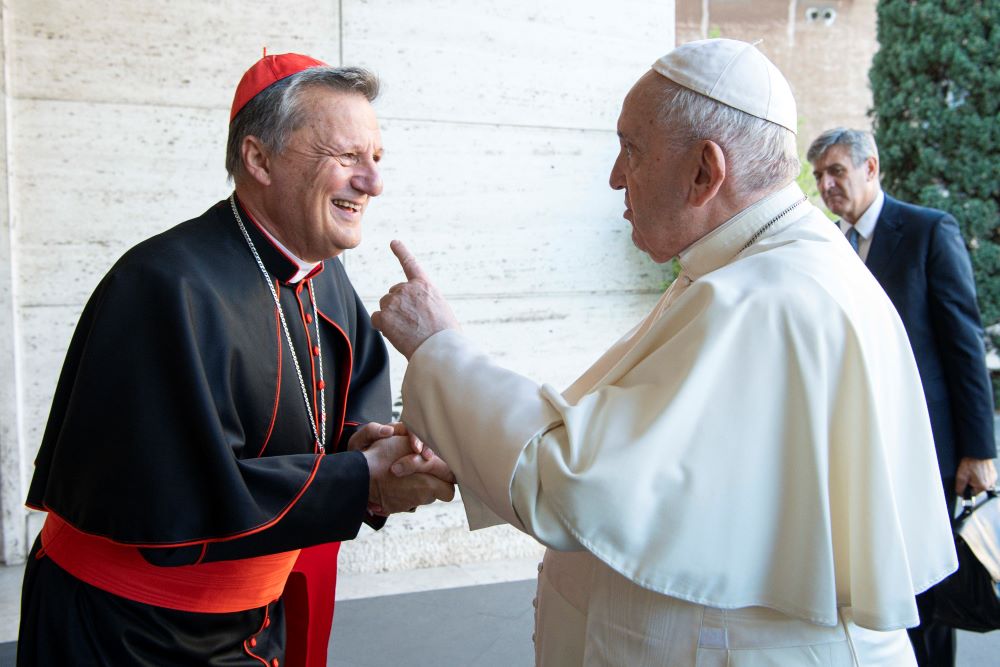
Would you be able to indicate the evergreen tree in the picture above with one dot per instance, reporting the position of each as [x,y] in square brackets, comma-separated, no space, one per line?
[936,86]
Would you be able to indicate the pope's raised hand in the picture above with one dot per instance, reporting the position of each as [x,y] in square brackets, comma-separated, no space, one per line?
[413,311]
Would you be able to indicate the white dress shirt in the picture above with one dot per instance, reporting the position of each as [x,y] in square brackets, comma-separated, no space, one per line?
[305,268]
[865,225]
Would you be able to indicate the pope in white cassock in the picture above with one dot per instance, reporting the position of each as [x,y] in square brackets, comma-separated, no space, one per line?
[747,477]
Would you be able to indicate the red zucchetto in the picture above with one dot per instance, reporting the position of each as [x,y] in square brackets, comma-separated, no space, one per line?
[266,71]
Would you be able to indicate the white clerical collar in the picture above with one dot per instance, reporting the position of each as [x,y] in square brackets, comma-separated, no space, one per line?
[305,268]
[721,245]
[866,223]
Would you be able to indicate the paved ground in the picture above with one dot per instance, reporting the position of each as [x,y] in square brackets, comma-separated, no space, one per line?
[478,626]
[485,626]
[417,619]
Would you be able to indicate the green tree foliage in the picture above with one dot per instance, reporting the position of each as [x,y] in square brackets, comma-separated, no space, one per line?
[936,86]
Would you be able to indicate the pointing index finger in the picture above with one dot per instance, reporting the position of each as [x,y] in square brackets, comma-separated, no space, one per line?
[411,268]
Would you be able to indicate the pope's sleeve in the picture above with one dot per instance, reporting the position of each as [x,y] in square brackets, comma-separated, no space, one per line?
[144,439]
[488,423]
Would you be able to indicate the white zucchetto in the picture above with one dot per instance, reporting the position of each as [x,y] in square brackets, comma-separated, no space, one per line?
[734,73]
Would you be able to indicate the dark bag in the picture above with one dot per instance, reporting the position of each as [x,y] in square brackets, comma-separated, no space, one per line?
[970,598]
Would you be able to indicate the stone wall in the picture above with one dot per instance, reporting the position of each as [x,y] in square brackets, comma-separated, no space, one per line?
[498,121]
[823,47]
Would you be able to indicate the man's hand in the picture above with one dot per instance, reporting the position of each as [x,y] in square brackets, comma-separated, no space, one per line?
[980,474]
[388,492]
[372,432]
[412,311]
[419,459]
[369,434]
[426,462]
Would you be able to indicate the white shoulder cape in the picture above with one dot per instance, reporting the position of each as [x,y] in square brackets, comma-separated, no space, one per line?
[762,441]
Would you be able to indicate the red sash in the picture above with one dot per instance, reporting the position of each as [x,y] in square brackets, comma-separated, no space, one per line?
[220,587]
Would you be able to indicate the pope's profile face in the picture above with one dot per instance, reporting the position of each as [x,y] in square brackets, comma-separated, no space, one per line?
[327,173]
[846,189]
[650,170]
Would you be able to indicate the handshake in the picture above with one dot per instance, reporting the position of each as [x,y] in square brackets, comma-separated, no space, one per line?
[403,473]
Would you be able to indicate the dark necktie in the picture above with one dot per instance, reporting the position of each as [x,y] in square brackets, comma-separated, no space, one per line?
[853,238]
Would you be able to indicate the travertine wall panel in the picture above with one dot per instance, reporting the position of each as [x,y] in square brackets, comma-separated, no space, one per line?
[550,339]
[94,179]
[501,210]
[499,213]
[12,534]
[430,537]
[521,62]
[45,335]
[186,53]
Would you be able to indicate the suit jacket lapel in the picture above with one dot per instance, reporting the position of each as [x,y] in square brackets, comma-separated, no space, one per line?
[886,237]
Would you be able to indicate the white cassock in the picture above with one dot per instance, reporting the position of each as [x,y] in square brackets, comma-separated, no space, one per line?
[746,478]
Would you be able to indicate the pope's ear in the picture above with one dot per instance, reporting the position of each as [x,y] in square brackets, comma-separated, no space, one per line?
[256,160]
[710,173]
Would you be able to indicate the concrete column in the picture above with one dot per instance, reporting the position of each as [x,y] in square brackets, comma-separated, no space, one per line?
[12,513]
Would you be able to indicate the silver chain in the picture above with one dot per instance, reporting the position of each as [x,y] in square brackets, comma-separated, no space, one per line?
[321,435]
[767,225]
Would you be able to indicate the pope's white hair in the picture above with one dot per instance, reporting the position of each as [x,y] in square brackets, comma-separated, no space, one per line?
[760,155]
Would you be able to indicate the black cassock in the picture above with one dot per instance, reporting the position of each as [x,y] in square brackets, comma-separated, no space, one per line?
[179,427]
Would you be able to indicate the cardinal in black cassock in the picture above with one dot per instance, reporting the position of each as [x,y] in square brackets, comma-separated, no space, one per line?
[196,443]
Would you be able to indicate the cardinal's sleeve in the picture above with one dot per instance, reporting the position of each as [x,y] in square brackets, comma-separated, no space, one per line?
[144,442]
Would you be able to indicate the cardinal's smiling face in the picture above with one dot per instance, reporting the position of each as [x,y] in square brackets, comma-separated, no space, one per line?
[321,181]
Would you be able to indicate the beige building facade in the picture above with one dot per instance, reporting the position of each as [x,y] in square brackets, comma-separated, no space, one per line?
[824,48]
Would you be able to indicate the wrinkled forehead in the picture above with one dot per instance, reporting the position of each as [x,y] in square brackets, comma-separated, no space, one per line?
[644,99]
[836,155]
[348,104]
[648,90]
[346,114]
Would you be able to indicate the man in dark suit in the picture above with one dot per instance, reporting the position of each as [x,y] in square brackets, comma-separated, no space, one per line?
[919,257]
